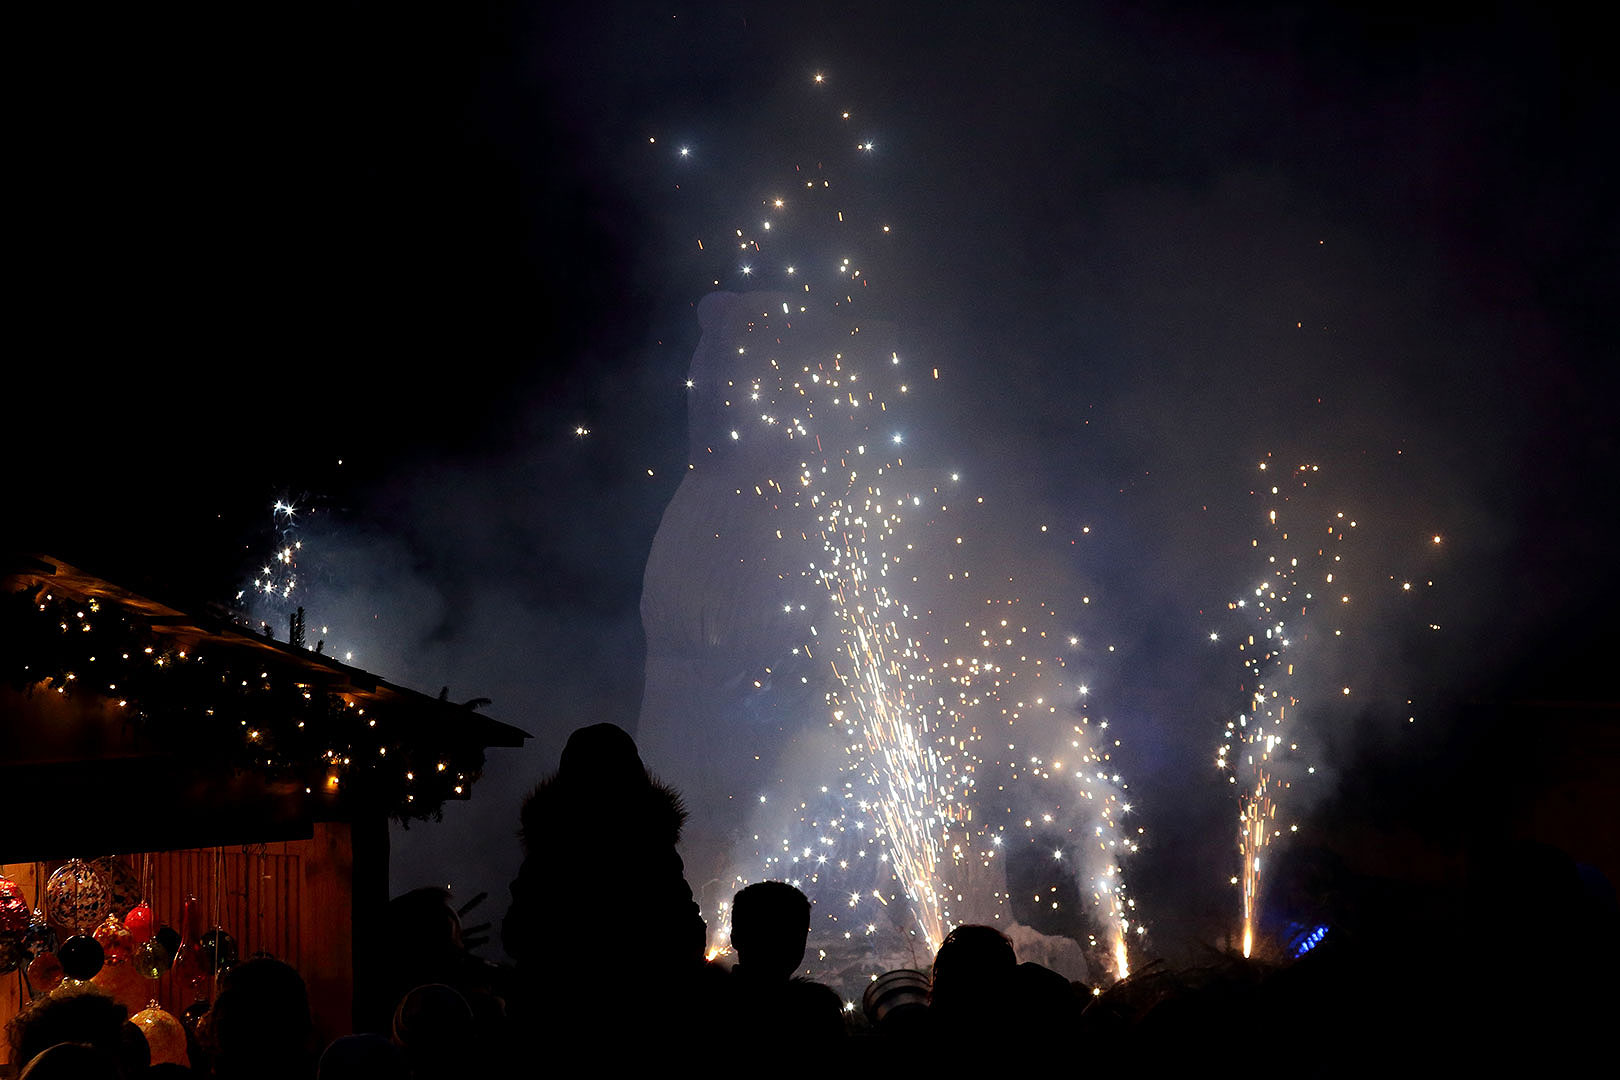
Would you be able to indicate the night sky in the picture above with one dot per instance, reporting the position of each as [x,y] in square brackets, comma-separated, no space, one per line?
[382,260]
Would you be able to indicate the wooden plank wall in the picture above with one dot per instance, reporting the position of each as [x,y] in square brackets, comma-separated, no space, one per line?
[288,899]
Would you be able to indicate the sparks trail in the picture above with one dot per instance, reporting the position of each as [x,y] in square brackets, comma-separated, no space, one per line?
[1302,592]
[279,588]
[876,583]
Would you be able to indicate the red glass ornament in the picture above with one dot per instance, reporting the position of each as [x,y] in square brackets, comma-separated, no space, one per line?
[190,970]
[139,922]
[13,906]
[44,973]
[115,940]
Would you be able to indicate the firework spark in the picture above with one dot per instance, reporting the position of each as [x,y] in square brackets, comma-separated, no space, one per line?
[872,556]
[1300,591]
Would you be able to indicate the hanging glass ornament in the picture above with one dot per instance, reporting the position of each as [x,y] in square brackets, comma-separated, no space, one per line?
[139,922]
[76,898]
[152,959]
[123,887]
[41,938]
[14,915]
[192,1018]
[218,951]
[14,909]
[13,951]
[81,957]
[123,984]
[191,971]
[115,940]
[164,1035]
[44,973]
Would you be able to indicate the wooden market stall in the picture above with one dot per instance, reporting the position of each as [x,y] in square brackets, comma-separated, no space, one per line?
[190,756]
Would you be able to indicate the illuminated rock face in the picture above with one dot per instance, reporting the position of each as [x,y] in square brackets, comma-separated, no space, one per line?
[732,553]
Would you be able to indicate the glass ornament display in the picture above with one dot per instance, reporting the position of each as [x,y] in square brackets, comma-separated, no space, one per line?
[115,940]
[13,951]
[14,919]
[218,951]
[44,973]
[76,898]
[123,984]
[140,922]
[164,1035]
[194,1017]
[41,938]
[152,959]
[190,970]
[123,887]
[14,909]
[81,957]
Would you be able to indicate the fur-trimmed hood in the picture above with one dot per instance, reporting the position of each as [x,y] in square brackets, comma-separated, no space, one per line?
[649,809]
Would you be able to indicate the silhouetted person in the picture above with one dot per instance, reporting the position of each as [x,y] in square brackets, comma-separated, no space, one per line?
[606,935]
[426,924]
[983,999]
[260,1024]
[973,976]
[74,1061]
[363,1057]
[434,1026]
[428,948]
[77,1015]
[770,924]
[899,1024]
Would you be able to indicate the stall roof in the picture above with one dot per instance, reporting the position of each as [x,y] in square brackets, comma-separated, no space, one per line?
[115,691]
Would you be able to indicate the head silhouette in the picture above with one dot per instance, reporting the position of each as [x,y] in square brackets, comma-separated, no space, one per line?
[770,923]
[601,754]
[973,970]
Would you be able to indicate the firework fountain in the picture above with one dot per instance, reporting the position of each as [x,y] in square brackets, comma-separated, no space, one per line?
[891,732]
[1298,608]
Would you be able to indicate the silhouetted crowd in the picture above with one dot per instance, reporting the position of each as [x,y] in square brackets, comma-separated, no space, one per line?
[610,975]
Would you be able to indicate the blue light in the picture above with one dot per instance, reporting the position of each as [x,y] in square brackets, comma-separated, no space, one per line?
[1309,941]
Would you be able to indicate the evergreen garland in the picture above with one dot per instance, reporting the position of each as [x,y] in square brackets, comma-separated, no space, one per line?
[237,707]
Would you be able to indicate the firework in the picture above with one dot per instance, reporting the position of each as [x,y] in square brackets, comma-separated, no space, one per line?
[873,575]
[1301,592]
[273,600]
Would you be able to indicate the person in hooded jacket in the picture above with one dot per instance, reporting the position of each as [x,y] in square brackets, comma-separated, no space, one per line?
[607,938]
